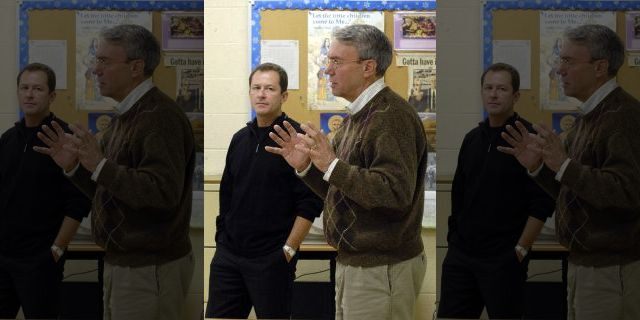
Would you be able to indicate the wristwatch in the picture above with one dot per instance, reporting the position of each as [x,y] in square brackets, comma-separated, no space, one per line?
[59,251]
[290,251]
[522,250]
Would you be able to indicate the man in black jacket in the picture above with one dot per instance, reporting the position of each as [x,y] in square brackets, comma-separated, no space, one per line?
[40,210]
[265,213]
[497,212]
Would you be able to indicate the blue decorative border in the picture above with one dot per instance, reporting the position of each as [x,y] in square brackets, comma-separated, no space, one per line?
[487,14]
[115,5]
[371,5]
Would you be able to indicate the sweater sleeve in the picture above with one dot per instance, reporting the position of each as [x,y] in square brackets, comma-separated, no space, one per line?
[612,187]
[314,180]
[540,204]
[393,148]
[77,204]
[82,180]
[159,177]
[308,204]
[457,191]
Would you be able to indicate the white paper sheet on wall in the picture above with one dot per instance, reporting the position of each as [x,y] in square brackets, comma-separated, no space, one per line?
[284,53]
[516,53]
[52,53]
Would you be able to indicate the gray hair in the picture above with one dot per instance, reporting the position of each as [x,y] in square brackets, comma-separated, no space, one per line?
[370,42]
[138,43]
[602,42]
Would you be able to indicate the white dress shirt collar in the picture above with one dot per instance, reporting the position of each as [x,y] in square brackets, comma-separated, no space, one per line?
[366,96]
[134,96]
[598,96]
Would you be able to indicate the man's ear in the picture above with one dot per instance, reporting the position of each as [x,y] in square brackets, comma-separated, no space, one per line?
[52,96]
[137,67]
[602,67]
[370,67]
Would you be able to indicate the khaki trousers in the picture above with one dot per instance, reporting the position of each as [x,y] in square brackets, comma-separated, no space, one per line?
[382,292]
[604,293]
[149,292]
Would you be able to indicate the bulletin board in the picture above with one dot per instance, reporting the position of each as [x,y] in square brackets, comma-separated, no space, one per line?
[38,17]
[519,20]
[287,20]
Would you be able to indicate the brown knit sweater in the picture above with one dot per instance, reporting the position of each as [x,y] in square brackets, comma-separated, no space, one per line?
[142,199]
[375,195]
[598,198]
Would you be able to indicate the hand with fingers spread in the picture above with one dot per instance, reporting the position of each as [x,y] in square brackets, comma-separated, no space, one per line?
[86,146]
[317,146]
[287,138]
[520,138]
[56,139]
[551,147]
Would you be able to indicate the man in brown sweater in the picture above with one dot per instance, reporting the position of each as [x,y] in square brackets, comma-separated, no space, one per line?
[372,179]
[594,175]
[139,176]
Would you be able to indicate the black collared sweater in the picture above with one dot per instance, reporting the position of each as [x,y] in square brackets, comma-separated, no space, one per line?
[260,194]
[492,195]
[35,196]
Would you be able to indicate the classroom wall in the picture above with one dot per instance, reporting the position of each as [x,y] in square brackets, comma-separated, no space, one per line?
[459,109]
[227,67]
[8,64]
[9,115]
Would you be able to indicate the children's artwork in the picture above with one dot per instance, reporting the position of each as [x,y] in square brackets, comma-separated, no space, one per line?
[183,30]
[563,121]
[98,121]
[88,27]
[633,30]
[330,122]
[320,25]
[552,26]
[414,30]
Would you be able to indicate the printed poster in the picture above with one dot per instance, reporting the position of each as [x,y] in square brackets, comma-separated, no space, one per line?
[421,80]
[88,27]
[552,26]
[320,26]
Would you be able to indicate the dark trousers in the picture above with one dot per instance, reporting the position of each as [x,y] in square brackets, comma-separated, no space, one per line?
[32,282]
[470,283]
[237,283]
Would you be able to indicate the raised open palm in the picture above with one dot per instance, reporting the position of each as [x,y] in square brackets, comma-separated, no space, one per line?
[520,139]
[287,140]
[55,139]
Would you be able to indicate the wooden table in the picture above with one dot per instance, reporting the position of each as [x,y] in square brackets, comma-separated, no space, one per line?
[552,250]
[320,251]
[88,250]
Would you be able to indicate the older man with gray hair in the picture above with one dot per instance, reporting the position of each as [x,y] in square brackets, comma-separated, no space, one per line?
[372,179]
[594,175]
[139,176]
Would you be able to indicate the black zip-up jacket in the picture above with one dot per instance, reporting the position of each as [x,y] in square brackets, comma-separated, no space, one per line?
[492,195]
[35,196]
[260,194]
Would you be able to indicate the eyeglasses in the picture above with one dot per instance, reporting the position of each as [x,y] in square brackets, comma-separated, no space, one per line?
[105,62]
[570,62]
[336,63]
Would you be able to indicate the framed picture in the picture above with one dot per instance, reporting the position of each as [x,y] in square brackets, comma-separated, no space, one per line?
[330,122]
[183,31]
[632,26]
[414,30]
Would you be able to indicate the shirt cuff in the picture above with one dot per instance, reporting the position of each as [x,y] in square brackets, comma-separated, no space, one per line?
[304,172]
[563,167]
[72,171]
[332,166]
[535,172]
[95,174]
